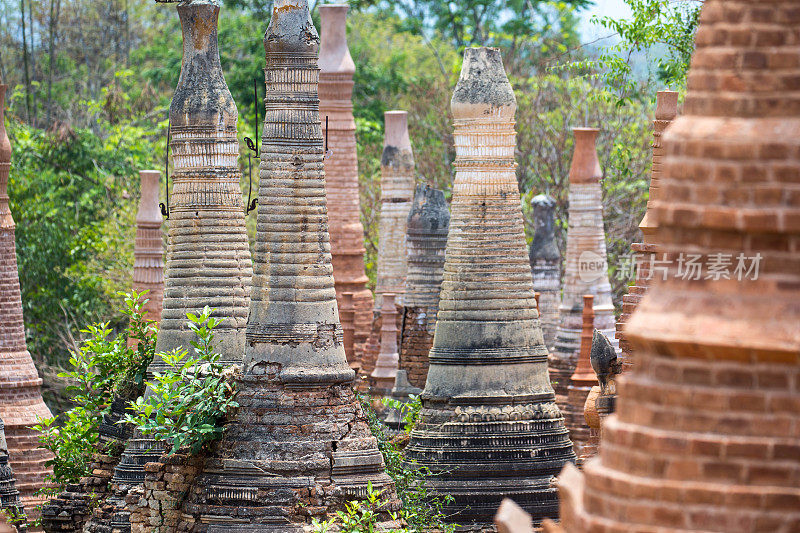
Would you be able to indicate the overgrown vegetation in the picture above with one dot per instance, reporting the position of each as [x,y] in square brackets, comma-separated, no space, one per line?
[186,403]
[105,366]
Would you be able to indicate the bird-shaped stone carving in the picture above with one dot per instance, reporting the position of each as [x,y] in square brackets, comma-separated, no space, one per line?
[604,361]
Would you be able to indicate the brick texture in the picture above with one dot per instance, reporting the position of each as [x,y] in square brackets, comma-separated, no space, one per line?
[21,403]
[341,168]
[705,437]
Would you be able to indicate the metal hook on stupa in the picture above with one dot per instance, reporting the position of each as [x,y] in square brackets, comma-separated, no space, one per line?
[253,147]
[165,207]
[328,151]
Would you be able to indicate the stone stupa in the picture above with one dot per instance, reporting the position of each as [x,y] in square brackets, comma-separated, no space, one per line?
[706,434]
[426,238]
[21,403]
[341,167]
[545,259]
[489,426]
[397,191]
[148,252]
[298,446]
[208,257]
[586,270]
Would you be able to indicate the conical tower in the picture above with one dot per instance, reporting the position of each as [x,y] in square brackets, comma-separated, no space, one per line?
[645,252]
[489,426]
[208,256]
[298,446]
[706,435]
[148,252]
[545,259]
[586,270]
[21,403]
[426,238]
[341,167]
[397,191]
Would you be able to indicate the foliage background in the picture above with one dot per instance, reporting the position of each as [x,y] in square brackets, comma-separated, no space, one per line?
[90,84]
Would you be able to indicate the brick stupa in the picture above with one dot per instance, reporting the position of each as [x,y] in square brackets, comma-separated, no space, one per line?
[706,435]
[21,404]
[208,257]
[586,269]
[341,168]
[581,382]
[148,252]
[298,446]
[426,238]
[645,252]
[489,426]
[545,259]
[397,191]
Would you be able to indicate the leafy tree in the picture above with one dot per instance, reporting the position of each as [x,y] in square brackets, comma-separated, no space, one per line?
[655,25]
[477,22]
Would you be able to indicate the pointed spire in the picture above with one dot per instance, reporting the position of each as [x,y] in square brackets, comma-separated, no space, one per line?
[341,170]
[487,382]
[208,256]
[21,403]
[298,446]
[397,190]
[581,382]
[586,270]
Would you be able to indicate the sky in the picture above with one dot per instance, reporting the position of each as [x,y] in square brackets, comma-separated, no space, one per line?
[601,8]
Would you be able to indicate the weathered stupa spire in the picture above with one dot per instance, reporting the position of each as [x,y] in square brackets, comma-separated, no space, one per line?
[706,435]
[21,403]
[545,259]
[586,263]
[148,252]
[341,168]
[298,446]
[397,191]
[208,256]
[426,238]
[489,426]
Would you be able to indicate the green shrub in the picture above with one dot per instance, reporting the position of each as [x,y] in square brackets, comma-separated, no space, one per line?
[186,404]
[103,367]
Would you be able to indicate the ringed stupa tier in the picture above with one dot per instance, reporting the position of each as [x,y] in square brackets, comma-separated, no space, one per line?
[545,259]
[386,366]
[645,252]
[426,238]
[397,191]
[148,252]
[208,256]
[341,167]
[298,446]
[586,269]
[489,426]
[21,404]
[706,435]
[10,501]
